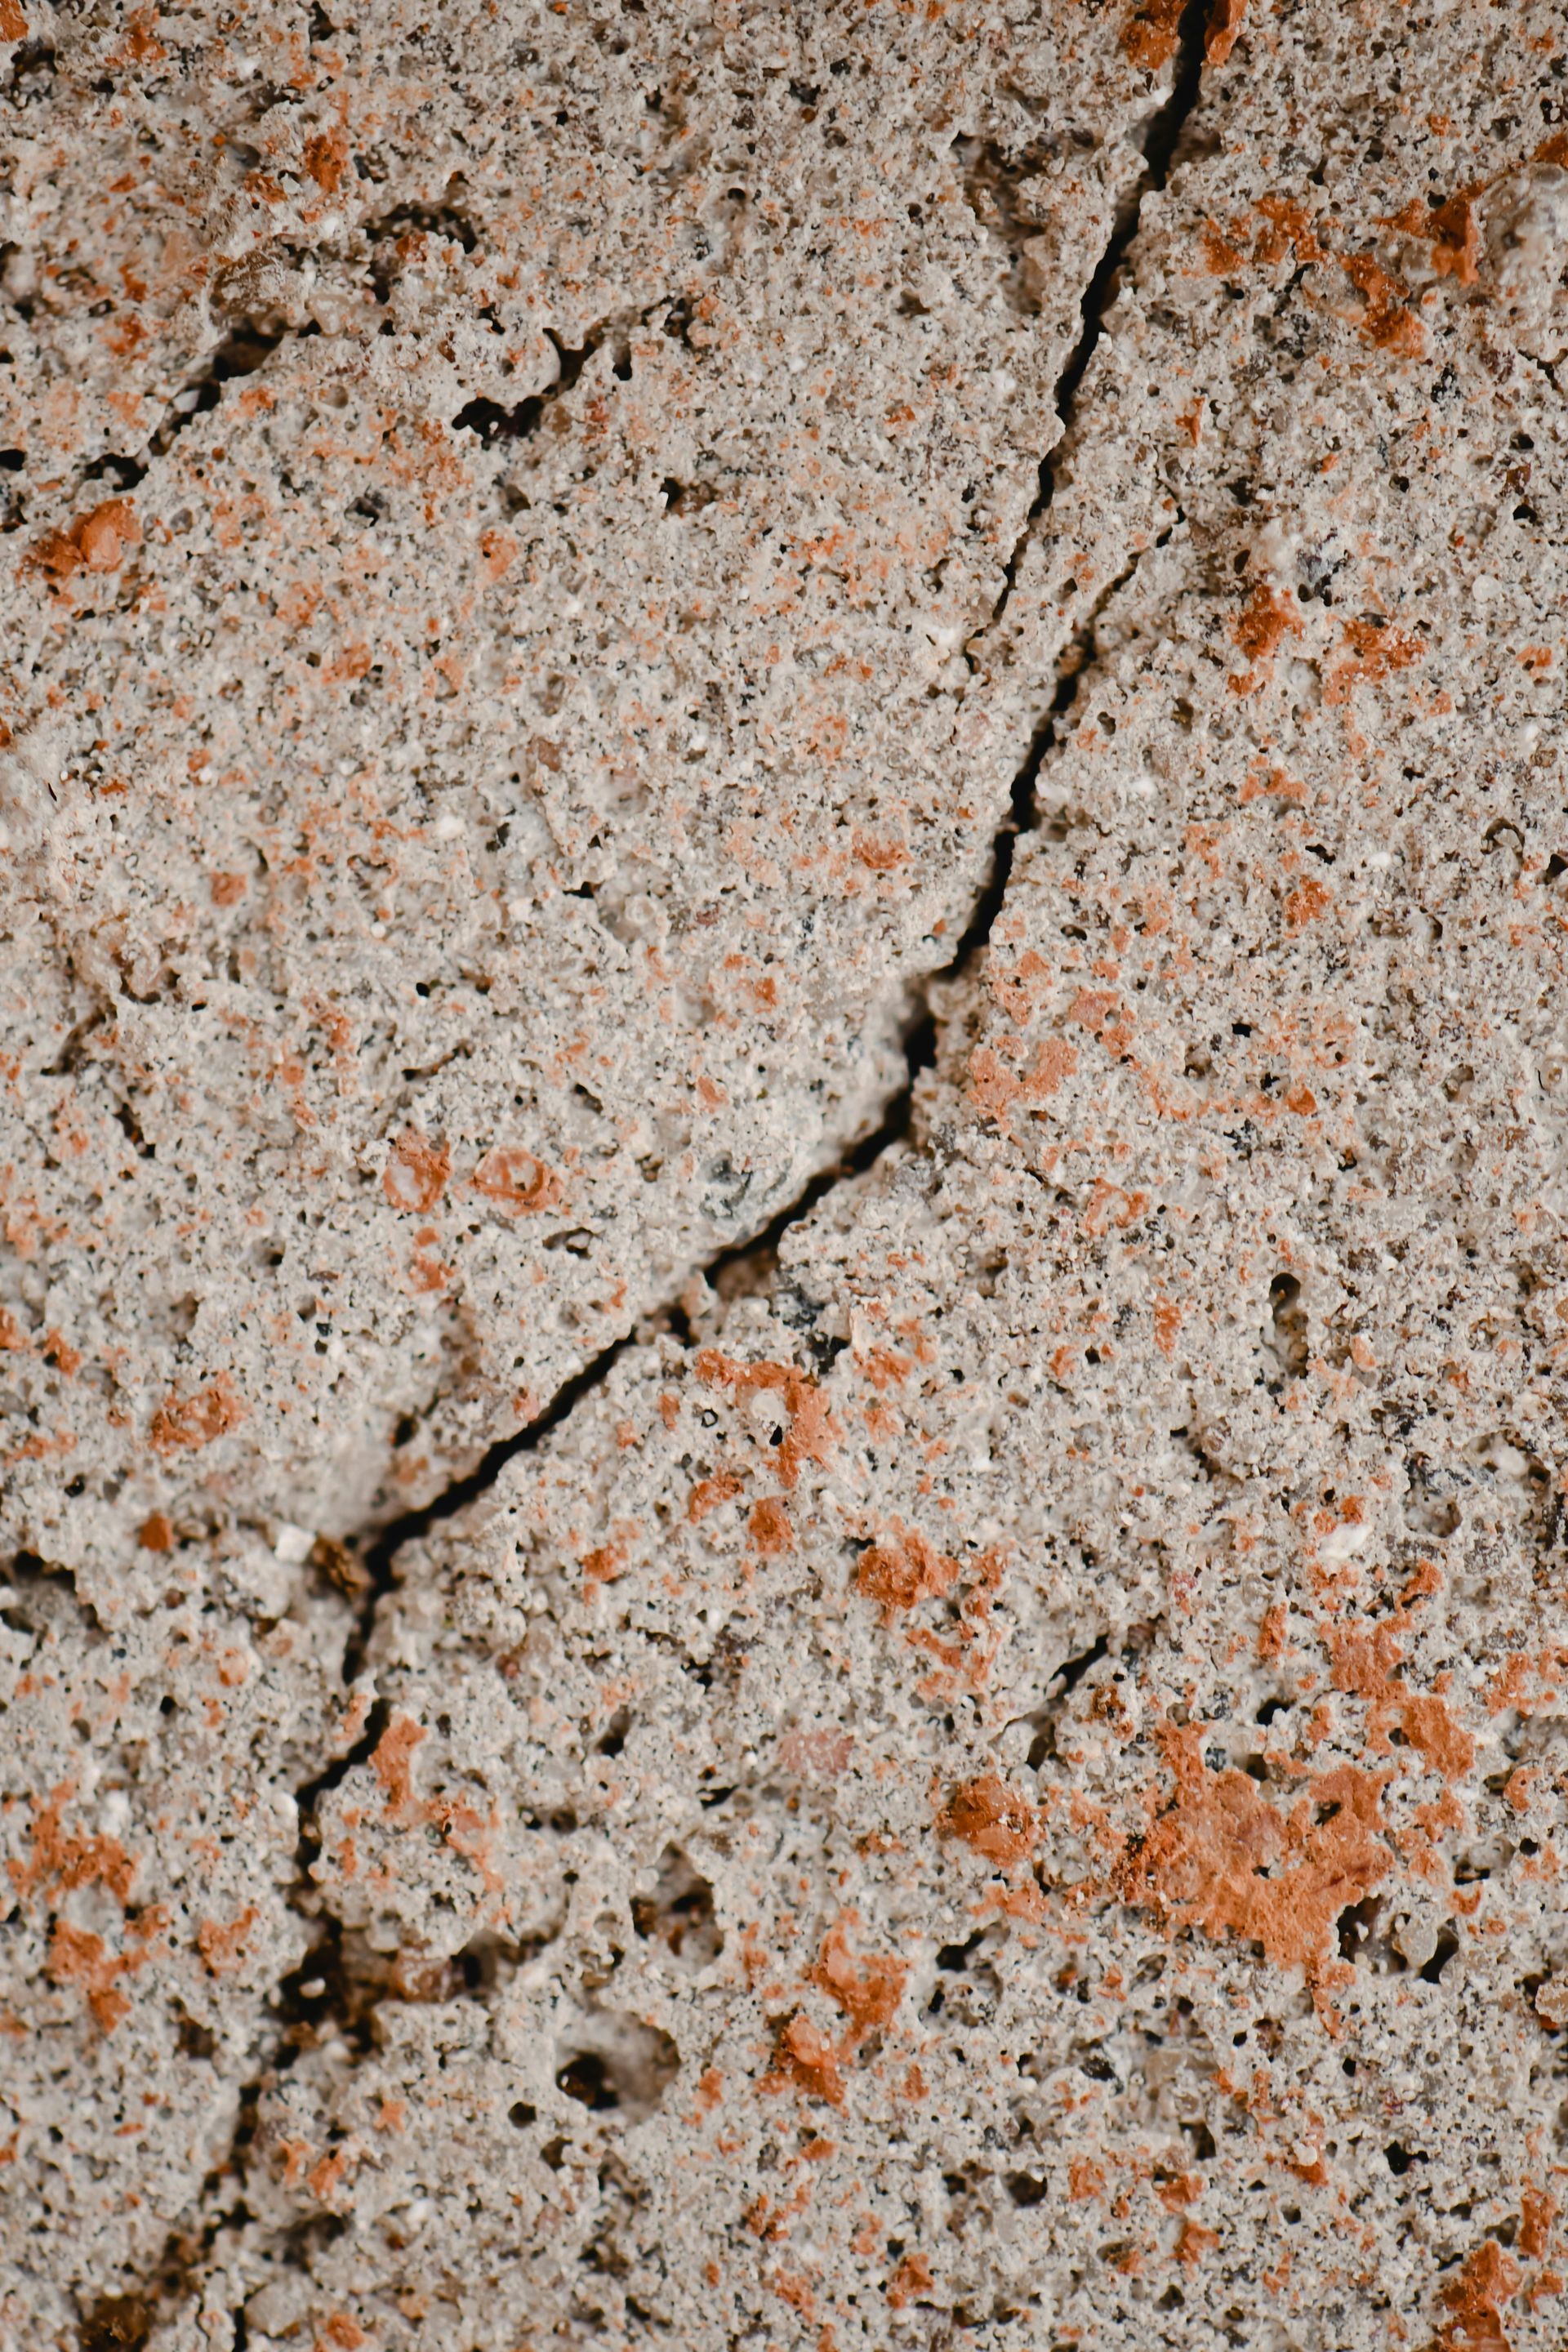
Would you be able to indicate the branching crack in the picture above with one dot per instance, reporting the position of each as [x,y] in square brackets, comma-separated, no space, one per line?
[320,1985]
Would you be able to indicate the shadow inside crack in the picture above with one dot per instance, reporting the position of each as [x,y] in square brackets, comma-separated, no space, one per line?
[334,1988]
[1160,140]
[494,422]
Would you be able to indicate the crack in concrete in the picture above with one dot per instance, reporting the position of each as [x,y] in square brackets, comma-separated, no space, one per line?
[1161,136]
[377,1556]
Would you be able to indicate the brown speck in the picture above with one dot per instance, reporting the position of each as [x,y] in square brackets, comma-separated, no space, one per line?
[805,2056]
[416,1173]
[392,1762]
[518,1182]
[196,1421]
[770,1530]
[992,1819]
[867,1988]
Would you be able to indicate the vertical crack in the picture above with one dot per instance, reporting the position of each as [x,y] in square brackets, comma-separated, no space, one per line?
[1161,136]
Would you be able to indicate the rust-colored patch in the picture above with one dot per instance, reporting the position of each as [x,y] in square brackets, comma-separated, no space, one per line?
[1373,654]
[1453,230]
[392,1762]
[1457,244]
[12,24]
[1220,1857]
[1267,617]
[1195,2242]
[913,2278]
[709,1493]
[1306,902]
[804,2057]
[1222,30]
[61,1859]
[77,1956]
[96,541]
[1056,1060]
[882,856]
[994,1089]
[1365,1657]
[327,159]
[1150,33]
[812,1432]
[1271,1632]
[1537,2213]
[605,1563]
[193,1422]
[770,1530]
[867,1988]
[1384,321]
[1429,1726]
[1475,2299]
[1222,258]
[155,1534]
[416,1171]
[221,1948]
[902,1570]
[518,1182]
[992,1819]
[819,1755]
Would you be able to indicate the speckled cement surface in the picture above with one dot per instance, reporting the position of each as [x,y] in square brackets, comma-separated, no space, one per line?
[785,1081]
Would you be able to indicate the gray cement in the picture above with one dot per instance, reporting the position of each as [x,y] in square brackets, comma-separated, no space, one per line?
[785,1176]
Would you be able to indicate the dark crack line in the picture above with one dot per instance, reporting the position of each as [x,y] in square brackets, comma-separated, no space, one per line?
[246,346]
[375,1562]
[1161,136]
[377,1559]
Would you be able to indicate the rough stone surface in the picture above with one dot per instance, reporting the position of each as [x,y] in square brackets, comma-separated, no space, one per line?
[991,1779]
[480,794]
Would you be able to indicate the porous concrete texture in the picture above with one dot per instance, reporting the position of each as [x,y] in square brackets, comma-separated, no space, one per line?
[843,820]
[505,504]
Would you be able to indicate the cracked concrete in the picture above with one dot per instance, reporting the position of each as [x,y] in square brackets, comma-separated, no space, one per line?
[784,1179]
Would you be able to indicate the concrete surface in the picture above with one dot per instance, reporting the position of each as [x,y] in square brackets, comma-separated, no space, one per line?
[785,1174]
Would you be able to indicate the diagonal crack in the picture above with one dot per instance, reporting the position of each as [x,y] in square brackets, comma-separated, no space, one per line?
[371,1563]
[242,351]
[1161,136]
[921,1035]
